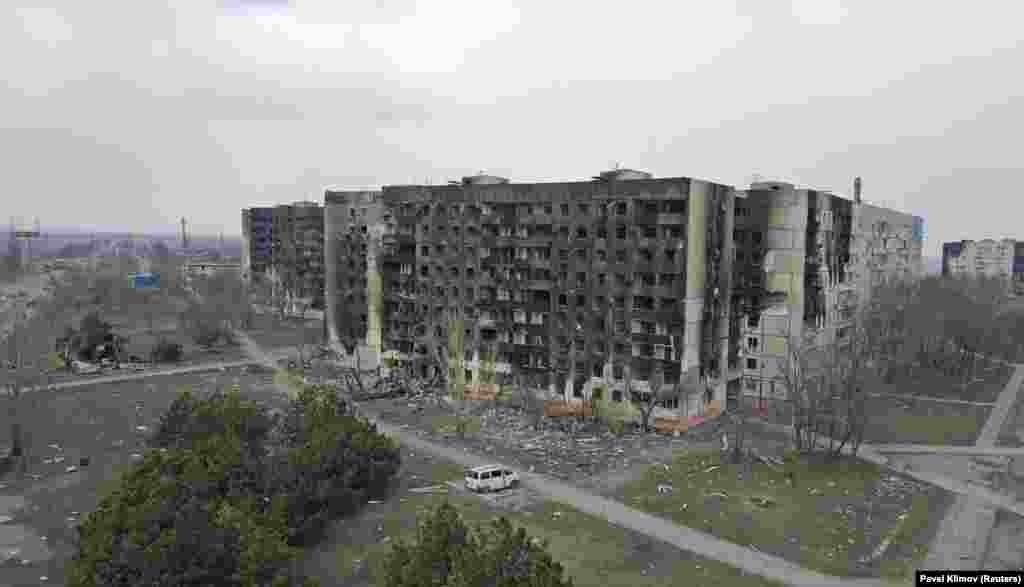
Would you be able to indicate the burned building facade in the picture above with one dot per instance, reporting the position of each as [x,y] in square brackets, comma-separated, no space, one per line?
[805,261]
[297,257]
[619,278]
[352,240]
[257,241]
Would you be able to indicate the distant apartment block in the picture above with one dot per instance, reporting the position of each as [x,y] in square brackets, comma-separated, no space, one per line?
[1002,259]
[296,263]
[257,241]
[622,276]
[819,256]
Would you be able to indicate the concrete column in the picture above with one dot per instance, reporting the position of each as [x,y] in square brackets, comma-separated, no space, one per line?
[374,292]
[696,253]
[334,218]
[725,295]
[246,244]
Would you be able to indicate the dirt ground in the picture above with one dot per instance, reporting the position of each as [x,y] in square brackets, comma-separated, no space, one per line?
[988,381]
[271,333]
[98,422]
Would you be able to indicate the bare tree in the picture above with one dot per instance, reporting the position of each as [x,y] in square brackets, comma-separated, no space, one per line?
[462,407]
[802,387]
[301,307]
[824,386]
[529,401]
[647,401]
[306,345]
[24,364]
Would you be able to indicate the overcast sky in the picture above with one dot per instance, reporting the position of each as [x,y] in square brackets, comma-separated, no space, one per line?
[133,117]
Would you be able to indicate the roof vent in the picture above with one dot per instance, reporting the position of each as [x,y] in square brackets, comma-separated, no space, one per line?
[622,175]
[481,179]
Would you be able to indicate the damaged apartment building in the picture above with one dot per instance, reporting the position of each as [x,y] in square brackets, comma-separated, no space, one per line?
[805,261]
[611,279]
[257,241]
[296,268]
[577,282]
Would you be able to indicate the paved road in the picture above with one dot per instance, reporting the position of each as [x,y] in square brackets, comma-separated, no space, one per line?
[929,398]
[993,451]
[962,540]
[994,424]
[198,368]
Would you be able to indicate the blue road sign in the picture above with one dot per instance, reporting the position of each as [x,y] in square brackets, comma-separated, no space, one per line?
[144,280]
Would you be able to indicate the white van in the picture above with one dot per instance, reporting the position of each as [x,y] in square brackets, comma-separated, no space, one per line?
[490,478]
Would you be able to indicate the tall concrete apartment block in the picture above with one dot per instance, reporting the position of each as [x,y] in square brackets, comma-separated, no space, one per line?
[257,241]
[579,281]
[353,223]
[819,255]
[297,261]
[574,281]
[990,258]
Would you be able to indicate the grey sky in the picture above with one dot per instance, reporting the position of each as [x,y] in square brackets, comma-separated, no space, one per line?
[134,117]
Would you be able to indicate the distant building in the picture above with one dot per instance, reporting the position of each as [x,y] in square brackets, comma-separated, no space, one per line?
[297,263]
[987,257]
[257,241]
[1003,259]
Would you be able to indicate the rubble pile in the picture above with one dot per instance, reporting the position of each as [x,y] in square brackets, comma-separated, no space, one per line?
[560,452]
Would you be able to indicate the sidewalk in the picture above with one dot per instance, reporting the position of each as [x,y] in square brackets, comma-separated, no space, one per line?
[962,541]
[992,451]
[929,398]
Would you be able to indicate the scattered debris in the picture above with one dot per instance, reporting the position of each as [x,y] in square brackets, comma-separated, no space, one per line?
[429,489]
[762,501]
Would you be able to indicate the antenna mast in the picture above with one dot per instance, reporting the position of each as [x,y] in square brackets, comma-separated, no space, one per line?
[184,234]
